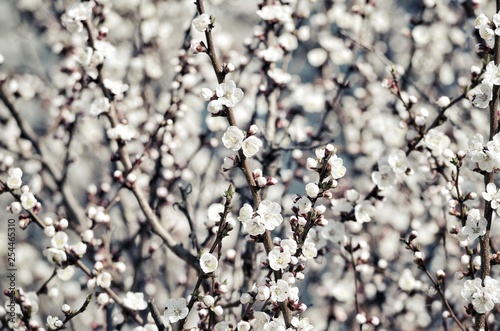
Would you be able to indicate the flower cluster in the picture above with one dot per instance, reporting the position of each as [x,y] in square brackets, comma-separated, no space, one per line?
[483,24]
[482,295]
[234,139]
[396,164]
[482,95]
[267,217]
[122,74]
[487,157]
[326,157]
[226,95]
[76,14]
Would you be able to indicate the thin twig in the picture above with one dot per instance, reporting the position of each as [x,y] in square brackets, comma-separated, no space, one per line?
[155,314]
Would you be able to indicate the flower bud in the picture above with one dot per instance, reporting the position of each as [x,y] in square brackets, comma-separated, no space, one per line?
[443,102]
[440,274]
[245,298]
[66,309]
[360,318]
[15,208]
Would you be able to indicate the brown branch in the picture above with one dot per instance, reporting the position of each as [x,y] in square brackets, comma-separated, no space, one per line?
[243,162]
[34,217]
[484,241]
[75,212]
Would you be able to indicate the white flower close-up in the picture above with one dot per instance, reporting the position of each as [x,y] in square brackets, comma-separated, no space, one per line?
[208,263]
[202,23]
[233,138]
[176,309]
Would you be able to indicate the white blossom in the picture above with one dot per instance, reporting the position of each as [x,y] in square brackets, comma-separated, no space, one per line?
[484,94]
[99,106]
[279,291]
[75,14]
[304,205]
[337,167]
[436,141]
[364,211]
[243,326]
[56,255]
[496,22]
[279,76]
[206,94]
[317,56]
[208,263]
[492,194]
[28,200]
[486,160]
[79,249]
[406,281]
[289,245]
[59,240]
[384,178]
[233,138]
[276,12]
[104,279]
[483,298]
[302,324]
[202,23]
[482,23]
[49,231]
[53,322]
[309,250]
[254,226]
[103,299]
[246,213]
[121,131]
[222,326]
[398,162]
[135,301]
[66,273]
[229,95]
[176,310]
[116,87]
[279,260]
[215,106]
[272,54]
[492,74]
[312,190]
[475,225]
[263,292]
[14,180]
[251,146]
[16,207]
[270,213]
[103,50]
[288,41]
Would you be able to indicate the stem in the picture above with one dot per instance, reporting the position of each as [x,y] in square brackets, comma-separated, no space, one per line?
[75,212]
[34,217]
[156,315]
[221,232]
[484,241]
[356,286]
[243,162]
[443,298]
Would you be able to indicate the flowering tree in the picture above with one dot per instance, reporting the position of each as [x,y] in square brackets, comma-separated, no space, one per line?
[250,165]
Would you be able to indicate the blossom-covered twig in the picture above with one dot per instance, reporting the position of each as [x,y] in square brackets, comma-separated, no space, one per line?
[484,240]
